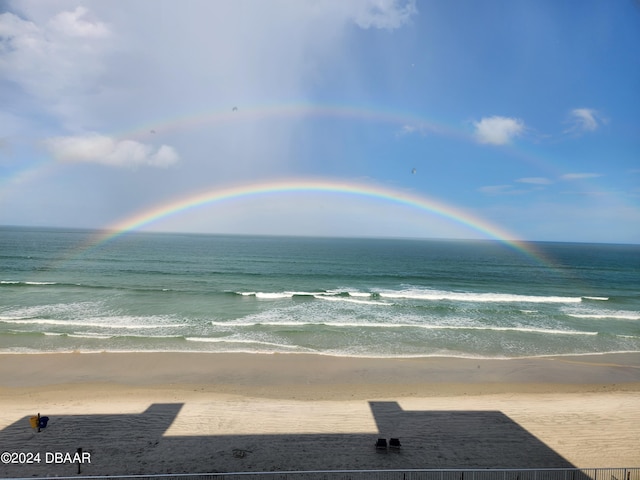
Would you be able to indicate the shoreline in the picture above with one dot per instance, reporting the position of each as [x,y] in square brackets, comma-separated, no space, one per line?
[153,413]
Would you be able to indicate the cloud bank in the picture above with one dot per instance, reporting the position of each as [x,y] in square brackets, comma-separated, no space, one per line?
[91,68]
[55,62]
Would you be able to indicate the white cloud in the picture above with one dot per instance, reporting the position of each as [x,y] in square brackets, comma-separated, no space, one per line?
[388,14]
[420,128]
[497,189]
[584,120]
[535,180]
[536,183]
[408,129]
[95,148]
[498,130]
[579,176]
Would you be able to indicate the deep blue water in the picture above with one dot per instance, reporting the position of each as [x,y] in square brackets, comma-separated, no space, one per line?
[364,297]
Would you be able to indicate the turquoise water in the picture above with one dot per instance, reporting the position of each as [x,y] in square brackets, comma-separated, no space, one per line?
[355,297]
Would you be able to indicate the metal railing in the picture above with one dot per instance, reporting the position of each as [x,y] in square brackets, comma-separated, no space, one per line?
[406,474]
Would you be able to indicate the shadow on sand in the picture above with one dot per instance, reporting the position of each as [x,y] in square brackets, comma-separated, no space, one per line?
[135,443]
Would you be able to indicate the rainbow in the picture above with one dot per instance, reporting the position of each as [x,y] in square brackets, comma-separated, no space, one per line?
[296,110]
[153,131]
[405,122]
[329,186]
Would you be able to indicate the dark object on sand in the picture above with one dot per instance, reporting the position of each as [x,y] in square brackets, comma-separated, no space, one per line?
[381,443]
[42,423]
[38,422]
[394,443]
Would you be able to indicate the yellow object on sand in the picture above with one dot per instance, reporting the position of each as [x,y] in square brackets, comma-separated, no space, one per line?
[34,422]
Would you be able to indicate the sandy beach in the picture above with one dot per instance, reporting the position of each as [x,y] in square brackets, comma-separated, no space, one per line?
[134,413]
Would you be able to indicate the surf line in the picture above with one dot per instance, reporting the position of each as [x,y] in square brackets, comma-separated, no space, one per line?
[328,186]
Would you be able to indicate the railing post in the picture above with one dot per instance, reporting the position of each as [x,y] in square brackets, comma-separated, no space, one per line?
[393,474]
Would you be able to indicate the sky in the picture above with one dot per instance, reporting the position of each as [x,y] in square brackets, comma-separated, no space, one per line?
[427,119]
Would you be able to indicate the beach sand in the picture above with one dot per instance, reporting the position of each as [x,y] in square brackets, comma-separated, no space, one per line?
[134,413]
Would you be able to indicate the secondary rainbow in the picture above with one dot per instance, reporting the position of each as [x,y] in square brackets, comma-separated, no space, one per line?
[296,110]
[403,122]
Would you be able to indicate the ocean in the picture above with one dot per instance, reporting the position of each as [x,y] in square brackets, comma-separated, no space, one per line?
[62,291]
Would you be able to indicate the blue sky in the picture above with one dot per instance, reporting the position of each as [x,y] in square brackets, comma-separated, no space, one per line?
[523,115]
